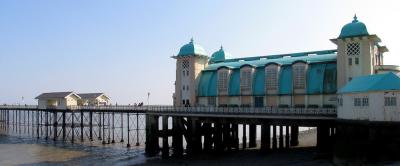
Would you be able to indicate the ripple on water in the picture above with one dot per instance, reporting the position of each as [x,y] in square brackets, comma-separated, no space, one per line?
[21,151]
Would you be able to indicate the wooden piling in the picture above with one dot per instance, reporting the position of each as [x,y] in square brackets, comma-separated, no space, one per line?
[252,135]
[177,141]
[294,135]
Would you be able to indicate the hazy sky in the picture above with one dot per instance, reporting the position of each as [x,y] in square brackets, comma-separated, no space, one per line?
[123,48]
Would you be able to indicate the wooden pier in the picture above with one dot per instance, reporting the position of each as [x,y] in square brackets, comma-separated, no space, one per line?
[173,131]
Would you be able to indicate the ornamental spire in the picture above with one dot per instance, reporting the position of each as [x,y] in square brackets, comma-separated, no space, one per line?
[222,48]
[191,40]
[355,18]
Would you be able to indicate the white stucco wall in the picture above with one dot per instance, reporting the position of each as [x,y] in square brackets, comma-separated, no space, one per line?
[375,111]
[285,100]
[202,101]
[315,100]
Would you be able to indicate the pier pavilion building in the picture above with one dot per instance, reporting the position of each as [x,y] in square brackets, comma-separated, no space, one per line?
[304,79]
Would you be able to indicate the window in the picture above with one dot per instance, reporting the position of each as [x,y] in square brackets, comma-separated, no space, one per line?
[223,81]
[340,101]
[353,49]
[357,102]
[212,101]
[187,87]
[350,78]
[390,101]
[185,64]
[183,87]
[184,72]
[271,78]
[187,72]
[299,73]
[350,61]
[365,102]
[245,79]
[259,102]
[356,61]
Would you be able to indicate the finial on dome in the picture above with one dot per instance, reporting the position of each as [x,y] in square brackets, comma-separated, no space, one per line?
[222,48]
[191,40]
[355,18]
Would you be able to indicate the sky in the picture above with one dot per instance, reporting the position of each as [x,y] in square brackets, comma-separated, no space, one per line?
[123,48]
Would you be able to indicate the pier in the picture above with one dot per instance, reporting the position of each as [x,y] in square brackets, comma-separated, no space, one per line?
[173,131]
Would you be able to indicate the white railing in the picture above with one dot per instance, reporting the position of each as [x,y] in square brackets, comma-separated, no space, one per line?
[196,110]
[4,106]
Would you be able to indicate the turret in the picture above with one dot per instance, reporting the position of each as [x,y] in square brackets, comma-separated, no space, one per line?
[358,52]
[190,61]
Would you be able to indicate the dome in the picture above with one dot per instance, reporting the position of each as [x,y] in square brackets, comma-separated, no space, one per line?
[219,56]
[192,49]
[355,28]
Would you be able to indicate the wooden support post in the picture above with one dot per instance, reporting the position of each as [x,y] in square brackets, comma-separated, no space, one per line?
[128,131]
[63,125]
[235,136]
[47,124]
[196,138]
[244,139]
[287,138]
[274,140]
[218,142]
[152,145]
[55,125]
[207,137]
[99,126]
[177,141]
[137,128]
[265,137]
[82,126]
[165,146]
[122,127]
[252,135]
[103,127]
[281,137]
[113,128]
[91,125]
[323,144]
[227,136]
[73,126]
[37,124]
[294,135]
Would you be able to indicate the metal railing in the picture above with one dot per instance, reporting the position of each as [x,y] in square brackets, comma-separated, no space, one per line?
[196,110]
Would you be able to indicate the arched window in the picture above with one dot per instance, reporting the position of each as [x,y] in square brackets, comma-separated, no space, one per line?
[223,81]
[271,77]
[245,79]
[299,75]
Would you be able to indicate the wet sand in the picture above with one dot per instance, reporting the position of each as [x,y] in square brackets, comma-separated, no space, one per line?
[17,154]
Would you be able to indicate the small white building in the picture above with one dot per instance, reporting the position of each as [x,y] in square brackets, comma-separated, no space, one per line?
[93,99]
[371,98]
[57,100]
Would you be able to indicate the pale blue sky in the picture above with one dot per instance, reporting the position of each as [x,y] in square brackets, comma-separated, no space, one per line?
[123,48]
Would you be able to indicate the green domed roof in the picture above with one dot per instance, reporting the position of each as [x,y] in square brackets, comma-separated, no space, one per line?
[192,49]
[219,56]
[355,28]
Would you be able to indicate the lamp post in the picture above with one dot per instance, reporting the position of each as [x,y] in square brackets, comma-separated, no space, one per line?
[148,98]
